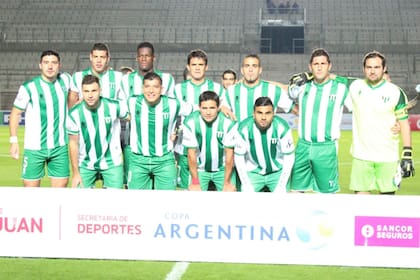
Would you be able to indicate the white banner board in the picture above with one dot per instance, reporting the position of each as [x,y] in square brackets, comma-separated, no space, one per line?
[340,229]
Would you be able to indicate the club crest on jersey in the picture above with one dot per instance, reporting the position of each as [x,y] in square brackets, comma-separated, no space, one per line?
[165,116]
[108,119]
[275,141]
[385,99]
[332,97]
[289,144]
[112,85]
[219,134]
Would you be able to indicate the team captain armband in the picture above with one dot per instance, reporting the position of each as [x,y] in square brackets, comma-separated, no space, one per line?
[401,113]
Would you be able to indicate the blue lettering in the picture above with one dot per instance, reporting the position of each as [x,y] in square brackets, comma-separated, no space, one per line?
[159,231]
[188,233]
[226,233]
[208,231]
[268,233]
[175,230]
[283,234]
[241,228]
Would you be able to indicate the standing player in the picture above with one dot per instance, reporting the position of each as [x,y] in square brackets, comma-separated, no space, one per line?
[376,105]
[264,150]
[189,91]
[209,137]
[238,100]
[133,83]
[94,131]
[228,78]
[44,100]
[321,102]
[153,117]
[110,80]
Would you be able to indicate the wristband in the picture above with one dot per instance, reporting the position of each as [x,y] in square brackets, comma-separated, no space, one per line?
[13,139]
[407,151]
[195,181]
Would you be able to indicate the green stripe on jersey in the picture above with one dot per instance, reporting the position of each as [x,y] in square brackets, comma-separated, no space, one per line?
[42,112]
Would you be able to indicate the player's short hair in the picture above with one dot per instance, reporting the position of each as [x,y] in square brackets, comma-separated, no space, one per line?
[319,52]
[90,79]
[253,55]
[185,73]
[100,47]
[126,69]
[229,71]
[263,101]
[146,45]
[373,54]
[152,76]
[197,53]
[49,52]
[209,95]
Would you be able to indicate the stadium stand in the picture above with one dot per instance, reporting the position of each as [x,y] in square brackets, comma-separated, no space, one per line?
[226,30]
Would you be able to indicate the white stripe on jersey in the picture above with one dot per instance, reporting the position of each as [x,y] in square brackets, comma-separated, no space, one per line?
[30,102]
[113,146]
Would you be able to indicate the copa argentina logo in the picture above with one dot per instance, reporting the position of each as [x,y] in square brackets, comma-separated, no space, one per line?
[22,224]
[178,226]
[315,230]
[236,232]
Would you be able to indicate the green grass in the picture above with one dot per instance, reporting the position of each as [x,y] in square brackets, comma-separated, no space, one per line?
[35,268]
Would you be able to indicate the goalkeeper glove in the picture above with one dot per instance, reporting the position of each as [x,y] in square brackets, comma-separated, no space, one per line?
[300,78]
[407,167]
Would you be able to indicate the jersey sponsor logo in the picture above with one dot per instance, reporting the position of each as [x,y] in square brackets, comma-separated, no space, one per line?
[219,134]
[165,116]
[332,97]
[108,119]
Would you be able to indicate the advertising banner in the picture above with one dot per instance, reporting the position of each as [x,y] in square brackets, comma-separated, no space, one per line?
[345,230]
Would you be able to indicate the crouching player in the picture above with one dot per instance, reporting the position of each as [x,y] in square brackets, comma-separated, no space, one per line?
[94,133]
[264,150]
[209,138]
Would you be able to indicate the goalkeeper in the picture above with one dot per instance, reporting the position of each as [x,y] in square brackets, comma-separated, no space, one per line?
[376,105]
[321,102]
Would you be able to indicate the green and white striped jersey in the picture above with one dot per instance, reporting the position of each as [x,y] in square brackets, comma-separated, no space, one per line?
[45,104]
[210,139]
[189,93]
[321,110]
[132,84]
[241,98]
[375,110]
[264,150]
[99,133]
[151,127]
[110,82]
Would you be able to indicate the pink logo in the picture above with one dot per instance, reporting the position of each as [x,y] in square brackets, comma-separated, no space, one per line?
[387,232]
